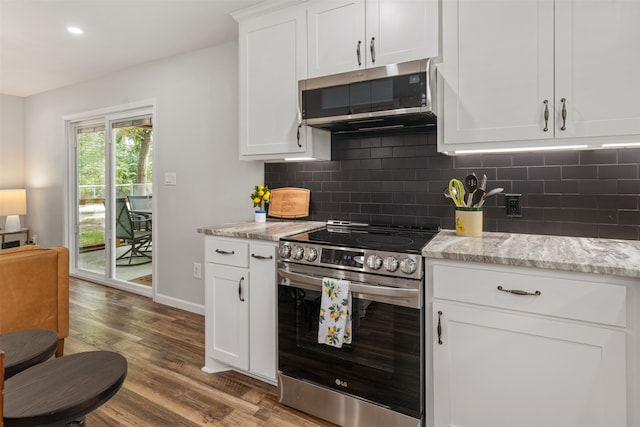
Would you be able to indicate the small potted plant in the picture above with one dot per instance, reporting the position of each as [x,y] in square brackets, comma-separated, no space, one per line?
[261,197]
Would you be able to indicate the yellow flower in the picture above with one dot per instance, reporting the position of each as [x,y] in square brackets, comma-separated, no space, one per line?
[322,312]
[260,196]
[330,330]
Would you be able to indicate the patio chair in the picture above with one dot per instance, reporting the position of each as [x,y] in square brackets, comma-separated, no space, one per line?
[140,208]
[138,239]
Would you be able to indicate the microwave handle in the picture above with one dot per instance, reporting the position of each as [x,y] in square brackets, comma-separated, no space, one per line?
[299,127]
[313,283]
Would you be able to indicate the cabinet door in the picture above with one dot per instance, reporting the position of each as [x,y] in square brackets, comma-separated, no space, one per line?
[498,369]
[336,32]
[400,31]
[598,67]
[262,319]
[272,60]
[497,71]
[229,320]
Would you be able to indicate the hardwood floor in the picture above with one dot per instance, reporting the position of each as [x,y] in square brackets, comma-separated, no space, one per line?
[164,348]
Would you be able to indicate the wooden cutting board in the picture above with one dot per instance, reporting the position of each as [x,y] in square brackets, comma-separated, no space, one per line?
[289,202]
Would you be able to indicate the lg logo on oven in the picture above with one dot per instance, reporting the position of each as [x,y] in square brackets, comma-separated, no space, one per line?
[341,383]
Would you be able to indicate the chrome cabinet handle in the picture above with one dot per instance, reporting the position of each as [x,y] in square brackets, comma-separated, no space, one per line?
[564,114]
[372,48]
[225,252]
[519,292]
[546,116]
[358,53]
[439,328]
[240,289]
[261,257]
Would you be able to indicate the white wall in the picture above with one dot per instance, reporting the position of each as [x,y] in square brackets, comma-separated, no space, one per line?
[11,141]
[195,136]
[12,146]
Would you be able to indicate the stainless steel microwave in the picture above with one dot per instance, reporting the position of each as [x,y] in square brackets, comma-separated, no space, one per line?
[387,97]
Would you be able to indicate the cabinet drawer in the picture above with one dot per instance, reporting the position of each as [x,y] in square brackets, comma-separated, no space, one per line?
[227,252]
[559,295]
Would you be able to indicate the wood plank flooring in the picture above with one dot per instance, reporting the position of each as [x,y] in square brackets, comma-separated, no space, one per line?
[164,348]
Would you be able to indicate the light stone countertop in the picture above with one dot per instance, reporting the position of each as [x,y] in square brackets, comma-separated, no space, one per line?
[578,254]
[272,230]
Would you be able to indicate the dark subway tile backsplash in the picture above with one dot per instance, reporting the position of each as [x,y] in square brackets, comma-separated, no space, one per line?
[399,180]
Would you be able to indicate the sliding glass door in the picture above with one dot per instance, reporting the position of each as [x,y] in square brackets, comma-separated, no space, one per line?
[111,204]
[90,174]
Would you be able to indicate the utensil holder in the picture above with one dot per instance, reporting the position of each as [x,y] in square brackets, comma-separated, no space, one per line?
[468,222]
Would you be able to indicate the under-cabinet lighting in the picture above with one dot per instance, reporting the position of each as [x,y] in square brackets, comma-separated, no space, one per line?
[621,145]
[516,150]
[299,159]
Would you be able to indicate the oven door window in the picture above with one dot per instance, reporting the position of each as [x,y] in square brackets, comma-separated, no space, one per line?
[383,363]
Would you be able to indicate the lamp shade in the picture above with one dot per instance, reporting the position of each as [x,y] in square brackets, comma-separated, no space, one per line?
[13,202]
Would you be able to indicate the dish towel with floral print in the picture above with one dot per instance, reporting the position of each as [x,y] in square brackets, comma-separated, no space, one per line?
[334,325]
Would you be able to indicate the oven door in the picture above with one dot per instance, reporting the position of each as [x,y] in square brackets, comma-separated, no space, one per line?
[383,364]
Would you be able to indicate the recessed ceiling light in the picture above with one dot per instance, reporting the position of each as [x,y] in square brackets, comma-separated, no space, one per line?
[75,30]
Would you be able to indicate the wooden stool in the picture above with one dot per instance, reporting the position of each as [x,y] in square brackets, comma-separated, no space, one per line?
[63,390]
[24,349]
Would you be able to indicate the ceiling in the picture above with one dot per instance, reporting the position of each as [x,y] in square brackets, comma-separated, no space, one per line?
[37,53]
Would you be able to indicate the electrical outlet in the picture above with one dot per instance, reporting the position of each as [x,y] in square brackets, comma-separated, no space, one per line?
[512,205]
[197,270]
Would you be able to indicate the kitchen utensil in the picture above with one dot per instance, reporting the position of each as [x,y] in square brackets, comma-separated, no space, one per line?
[493,192]
[483,183]
[445,192]
[456,191]
[470,185]
[480,192]
[490,193]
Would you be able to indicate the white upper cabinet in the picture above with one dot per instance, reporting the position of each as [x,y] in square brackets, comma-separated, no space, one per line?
[598,67]
[273,57]
[351,35]
[528,73]
[497,70]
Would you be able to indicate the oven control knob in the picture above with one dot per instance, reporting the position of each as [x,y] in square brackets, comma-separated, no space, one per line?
[311,254]
[298,252]
[374,262]
[390,264]
[408,266]
[285,251]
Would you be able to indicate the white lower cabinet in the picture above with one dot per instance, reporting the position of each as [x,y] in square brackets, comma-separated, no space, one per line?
[240,306]
[553,357]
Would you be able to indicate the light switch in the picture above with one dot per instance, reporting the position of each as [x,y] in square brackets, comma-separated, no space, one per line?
[170,178]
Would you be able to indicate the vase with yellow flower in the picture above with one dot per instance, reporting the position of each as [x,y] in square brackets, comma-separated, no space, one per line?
[260,197]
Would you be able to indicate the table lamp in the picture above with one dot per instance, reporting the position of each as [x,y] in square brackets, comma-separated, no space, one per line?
[13,203]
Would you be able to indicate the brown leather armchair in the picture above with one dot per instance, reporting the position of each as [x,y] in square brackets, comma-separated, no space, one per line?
[34,290]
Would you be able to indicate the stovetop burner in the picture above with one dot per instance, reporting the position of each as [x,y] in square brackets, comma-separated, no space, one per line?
[378,237]
[371,249]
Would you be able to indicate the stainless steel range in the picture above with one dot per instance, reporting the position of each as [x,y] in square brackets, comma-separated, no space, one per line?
[378,378]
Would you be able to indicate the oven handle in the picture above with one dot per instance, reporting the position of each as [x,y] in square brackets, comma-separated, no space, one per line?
[313,283]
